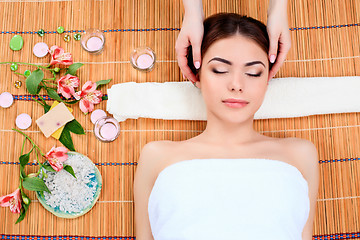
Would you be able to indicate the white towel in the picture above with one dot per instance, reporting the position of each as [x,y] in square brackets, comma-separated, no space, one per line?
[285,98]
[249,199]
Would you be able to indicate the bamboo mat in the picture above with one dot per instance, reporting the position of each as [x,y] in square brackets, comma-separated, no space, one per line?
[325,42]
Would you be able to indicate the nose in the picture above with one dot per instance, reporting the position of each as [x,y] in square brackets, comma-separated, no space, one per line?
[236,84]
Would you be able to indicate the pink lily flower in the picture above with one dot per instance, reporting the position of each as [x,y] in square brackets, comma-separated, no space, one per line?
[56,157]
[88,97]
[66,85]
[12,200]
[58,55]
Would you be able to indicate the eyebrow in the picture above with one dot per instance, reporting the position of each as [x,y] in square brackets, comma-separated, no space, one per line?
[253,63]
[230,63]
[221,60]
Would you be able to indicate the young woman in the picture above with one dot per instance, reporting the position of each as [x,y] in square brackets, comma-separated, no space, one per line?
[229,182]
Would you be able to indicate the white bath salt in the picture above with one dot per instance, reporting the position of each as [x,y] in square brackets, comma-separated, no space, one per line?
[71,194]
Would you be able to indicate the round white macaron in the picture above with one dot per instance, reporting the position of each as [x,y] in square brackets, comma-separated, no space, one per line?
[6,99]
[40,49]
[96,114]
[23,121]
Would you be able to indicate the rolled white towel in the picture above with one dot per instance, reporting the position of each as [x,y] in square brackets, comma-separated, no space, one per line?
[285,98]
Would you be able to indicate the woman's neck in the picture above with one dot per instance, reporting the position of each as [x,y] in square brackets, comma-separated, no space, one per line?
[225,133]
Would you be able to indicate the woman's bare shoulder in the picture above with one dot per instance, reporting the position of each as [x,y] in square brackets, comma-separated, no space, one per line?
[157,148]
[303,151]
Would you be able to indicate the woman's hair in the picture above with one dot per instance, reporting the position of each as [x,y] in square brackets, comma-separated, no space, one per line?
[224,25]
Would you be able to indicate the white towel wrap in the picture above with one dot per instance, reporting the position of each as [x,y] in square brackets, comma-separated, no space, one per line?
[285,98]
[247,199]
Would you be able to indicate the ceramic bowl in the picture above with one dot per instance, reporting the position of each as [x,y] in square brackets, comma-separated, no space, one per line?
[96,179]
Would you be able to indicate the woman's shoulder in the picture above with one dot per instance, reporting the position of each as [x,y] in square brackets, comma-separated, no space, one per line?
[158,148]
[304,152]
[155,152]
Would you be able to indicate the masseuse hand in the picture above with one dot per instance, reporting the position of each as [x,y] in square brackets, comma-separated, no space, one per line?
[191,33]
[279,34]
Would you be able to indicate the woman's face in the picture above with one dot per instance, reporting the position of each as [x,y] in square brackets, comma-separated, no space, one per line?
[233,69]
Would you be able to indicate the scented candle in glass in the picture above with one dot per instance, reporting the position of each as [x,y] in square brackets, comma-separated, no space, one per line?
[93,41]
[106,129]
[143,59]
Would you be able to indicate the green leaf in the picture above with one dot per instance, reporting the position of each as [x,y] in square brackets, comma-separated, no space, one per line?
[53,94]
[48,168]
[24,159]
[75,127]
[102,82]
[33,81]
[65,139]
[35,184]
[73,67]
[47,108]
[69,169]
[22,215]
[73,102]
[45,105]
[104,97]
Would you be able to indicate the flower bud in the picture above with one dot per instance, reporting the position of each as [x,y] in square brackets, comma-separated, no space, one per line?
[31,175]
[56,69]
[25,200]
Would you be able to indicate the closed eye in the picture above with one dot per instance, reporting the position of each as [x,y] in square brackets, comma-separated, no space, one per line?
[218,72]
[254,75]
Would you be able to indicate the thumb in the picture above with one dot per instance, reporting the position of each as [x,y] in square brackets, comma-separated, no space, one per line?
[273,48]
[196,55]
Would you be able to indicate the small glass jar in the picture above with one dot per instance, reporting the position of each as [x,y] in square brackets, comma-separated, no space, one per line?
[106,129]
[93,41]
[143,59]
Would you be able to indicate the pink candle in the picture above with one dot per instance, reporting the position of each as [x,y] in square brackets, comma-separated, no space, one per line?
[94,44]
[144,61]
[108,131]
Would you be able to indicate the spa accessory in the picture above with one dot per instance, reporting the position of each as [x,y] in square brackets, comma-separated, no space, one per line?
[143,59]
[16,42]
[41,49]
[6,99]
[96,114]
[229,199]
[72,197]
[106,129]
[23,121]
[93,41]
[285,98]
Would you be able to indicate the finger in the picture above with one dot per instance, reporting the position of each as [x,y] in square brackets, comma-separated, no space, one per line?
[273,48]
[279,61]
[196,52]
[284,47]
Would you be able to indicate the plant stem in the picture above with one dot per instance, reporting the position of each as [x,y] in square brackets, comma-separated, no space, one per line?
[30,64]
[38,102]
[22,148]
[29,140]
[20,74]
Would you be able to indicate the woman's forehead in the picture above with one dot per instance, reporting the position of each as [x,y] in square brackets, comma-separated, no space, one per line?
[236,48]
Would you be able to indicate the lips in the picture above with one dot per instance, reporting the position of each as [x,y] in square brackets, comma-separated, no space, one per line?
[235,103]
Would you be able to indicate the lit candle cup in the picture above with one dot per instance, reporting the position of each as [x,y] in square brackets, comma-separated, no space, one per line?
[106,129]
[93,41]
[143,59]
